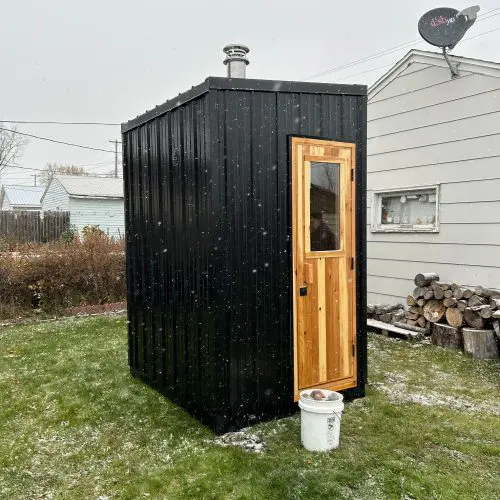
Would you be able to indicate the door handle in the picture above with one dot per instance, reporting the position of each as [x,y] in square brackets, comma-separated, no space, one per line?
[303,291]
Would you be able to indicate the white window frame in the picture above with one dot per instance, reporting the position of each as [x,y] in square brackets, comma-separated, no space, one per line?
[378,227]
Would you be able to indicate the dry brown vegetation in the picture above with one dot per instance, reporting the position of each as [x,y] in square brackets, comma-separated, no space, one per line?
[46,279]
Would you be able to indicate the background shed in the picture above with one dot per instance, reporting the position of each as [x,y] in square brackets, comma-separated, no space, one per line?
[436,142]
[21,198]
[91,201]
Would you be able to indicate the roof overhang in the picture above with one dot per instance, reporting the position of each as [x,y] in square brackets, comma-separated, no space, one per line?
[90,197]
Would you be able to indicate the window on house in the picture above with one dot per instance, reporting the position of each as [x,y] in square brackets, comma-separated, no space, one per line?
[406,210]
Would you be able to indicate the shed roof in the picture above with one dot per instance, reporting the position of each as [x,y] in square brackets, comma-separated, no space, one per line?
[466,64]
[81,186]
[23,196]
[245,84]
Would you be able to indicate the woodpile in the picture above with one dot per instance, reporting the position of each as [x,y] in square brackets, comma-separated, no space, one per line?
[451,310]
[434,301]
[385,312]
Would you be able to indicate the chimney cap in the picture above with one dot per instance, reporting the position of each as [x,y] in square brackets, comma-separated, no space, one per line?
[236,52]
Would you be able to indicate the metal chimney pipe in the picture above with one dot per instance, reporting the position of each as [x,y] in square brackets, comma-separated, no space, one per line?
[236,60]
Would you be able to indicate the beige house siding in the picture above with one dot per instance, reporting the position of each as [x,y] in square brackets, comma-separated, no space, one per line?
[425,129]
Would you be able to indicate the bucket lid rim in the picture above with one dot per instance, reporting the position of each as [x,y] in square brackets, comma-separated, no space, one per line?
[339,398]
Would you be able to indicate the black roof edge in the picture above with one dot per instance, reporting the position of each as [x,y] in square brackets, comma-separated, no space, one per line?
[181,99]
[221,83]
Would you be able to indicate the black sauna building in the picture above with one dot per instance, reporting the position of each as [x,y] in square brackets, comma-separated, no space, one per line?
[245,245]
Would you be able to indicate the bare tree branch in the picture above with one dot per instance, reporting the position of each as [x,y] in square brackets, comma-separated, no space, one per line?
[52,169]
[11,147]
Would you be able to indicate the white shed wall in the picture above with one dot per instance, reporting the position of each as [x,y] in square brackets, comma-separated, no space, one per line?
[425,129]
[5,204]
[109,215]
[55,198]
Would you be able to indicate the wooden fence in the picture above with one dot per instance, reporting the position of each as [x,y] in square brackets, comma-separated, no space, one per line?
[32,227]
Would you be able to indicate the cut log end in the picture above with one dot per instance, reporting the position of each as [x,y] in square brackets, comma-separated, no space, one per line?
[434,310]
[450,302]
[454,317]
[439,292]
[425,279]
[473,319]
[411,300]
[421,321]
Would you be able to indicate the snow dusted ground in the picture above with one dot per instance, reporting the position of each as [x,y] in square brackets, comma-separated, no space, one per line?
[74,424]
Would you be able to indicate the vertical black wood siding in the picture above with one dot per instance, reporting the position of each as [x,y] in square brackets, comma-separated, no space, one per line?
[208,223]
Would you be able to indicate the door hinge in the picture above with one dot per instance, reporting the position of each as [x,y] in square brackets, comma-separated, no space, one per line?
[352,174]
[352,262]
[353,350]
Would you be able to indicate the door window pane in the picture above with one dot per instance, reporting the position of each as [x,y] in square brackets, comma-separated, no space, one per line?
[325,206]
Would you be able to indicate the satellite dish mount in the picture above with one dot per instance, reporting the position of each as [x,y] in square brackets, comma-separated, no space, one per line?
[453,67]
[444,27]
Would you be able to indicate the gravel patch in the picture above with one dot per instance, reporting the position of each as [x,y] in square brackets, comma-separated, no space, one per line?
[242,439]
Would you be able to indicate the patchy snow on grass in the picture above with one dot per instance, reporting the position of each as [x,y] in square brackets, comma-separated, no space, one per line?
[398,392]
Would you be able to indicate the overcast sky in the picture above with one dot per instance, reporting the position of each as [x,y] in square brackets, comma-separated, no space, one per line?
[111,60]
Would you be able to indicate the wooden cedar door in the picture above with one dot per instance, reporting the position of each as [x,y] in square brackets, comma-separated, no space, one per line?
[323,265]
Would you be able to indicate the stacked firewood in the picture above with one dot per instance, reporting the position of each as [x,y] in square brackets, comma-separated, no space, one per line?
[461,317]
[385,312]
[435,301]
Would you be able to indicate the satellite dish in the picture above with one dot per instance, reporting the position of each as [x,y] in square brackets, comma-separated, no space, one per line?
[444,27]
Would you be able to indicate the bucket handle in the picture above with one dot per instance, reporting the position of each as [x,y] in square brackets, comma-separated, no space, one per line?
[336,414]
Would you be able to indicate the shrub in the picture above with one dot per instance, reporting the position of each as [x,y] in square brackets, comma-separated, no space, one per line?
[49,278]
[69,235]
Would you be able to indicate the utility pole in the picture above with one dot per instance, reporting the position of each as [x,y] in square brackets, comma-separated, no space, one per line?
[116,142]
[34,175]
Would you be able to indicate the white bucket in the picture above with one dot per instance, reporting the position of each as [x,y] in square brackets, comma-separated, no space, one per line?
[320,421]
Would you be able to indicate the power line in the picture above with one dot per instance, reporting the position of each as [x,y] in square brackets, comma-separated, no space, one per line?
[388,65]
[32,169]
[60,123]
[366,71]
[390,50]
[103,165]
[481,34]
[97,165]
[24,168]
[56,141]
[376,55]
[482,18]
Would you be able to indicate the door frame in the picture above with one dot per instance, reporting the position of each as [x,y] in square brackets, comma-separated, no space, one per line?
[349,382]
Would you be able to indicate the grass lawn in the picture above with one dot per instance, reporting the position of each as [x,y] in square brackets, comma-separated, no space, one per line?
[75,425]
